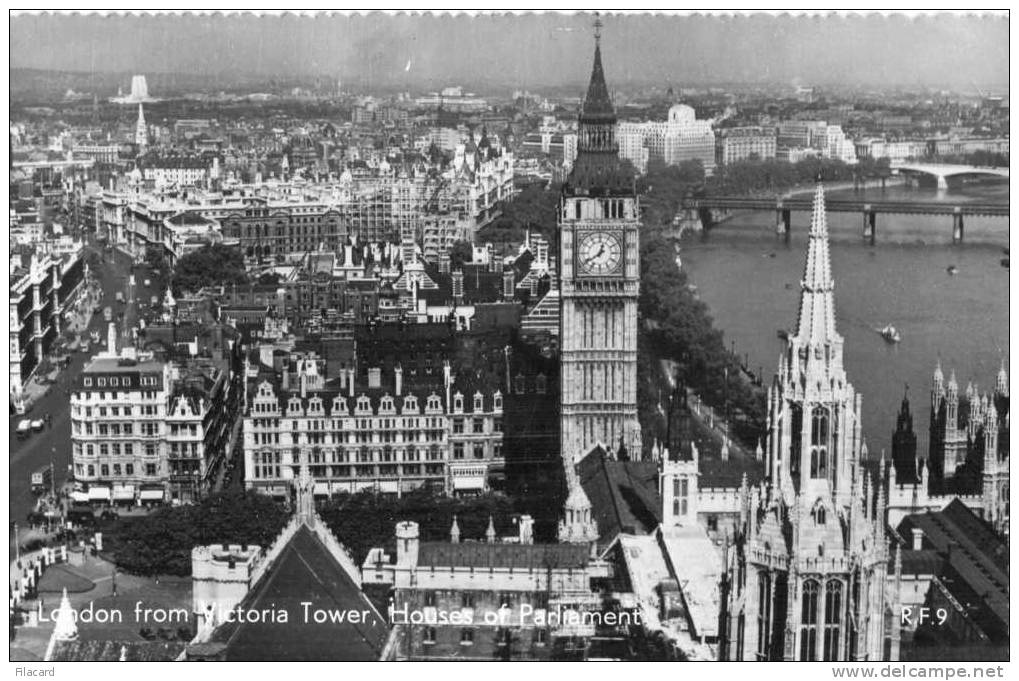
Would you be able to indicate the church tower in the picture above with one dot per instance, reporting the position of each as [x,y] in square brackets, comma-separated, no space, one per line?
[806,575]
[599,268]
[141,133]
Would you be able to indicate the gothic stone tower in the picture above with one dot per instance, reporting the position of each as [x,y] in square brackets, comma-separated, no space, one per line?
[809,565]
[907,468]
[599,266]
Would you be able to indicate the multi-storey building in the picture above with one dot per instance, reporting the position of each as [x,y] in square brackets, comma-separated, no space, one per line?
[738,144]
[119,407]
[809,567]
[176,171]
[528,602]
[689,139]
[681,137]
[42,288]
[145,430]
[838,146]
[392,424]
[802,134]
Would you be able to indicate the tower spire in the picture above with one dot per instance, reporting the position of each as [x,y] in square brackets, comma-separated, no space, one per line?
[817,301]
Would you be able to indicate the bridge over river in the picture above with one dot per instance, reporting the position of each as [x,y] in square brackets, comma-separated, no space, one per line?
[701,209]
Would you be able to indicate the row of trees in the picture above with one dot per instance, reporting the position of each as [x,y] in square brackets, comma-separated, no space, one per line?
[771,176]
[161,542]
[677,325]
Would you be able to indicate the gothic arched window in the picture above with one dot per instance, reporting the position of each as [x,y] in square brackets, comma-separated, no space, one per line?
[832,619]
[808,621]
[819,443]
[763,615]
[796,437]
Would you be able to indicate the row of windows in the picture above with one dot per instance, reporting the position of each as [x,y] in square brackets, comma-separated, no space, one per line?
[503,637]
[119,381]
[104,470]
[114,449]
[385,455]
[273,471]
[126,410]
[102,396]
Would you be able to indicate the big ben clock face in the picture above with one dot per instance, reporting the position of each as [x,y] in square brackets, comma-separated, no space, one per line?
[600,253]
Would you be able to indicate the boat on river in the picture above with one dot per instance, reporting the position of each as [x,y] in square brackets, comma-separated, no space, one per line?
[890,334]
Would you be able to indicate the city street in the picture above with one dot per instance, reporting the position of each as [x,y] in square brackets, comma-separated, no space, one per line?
[53,444]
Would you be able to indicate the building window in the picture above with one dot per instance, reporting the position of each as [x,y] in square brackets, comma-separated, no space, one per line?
[819,443]
[467,600]
[430,599]
[680,496]
[150,470]
[479,425]
[808,622]
[832,619]
[540,637]
[466,637]
[763,615]
[429,635]
[458,450]
[129,469]
[458,425]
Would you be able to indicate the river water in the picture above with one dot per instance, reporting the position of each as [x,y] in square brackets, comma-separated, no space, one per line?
[750,280]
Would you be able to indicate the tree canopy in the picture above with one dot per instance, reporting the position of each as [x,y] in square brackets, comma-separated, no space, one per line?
[366,520]
[161,542]
[677,325]
[210,265]
[534,208]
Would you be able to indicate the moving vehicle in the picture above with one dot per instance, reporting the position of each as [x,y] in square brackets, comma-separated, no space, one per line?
[120,296]
[890,334]
[108,314]
[38,425]
[24,429]
[42,479]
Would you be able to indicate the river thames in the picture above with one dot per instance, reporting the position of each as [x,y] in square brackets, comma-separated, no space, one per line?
[750,280]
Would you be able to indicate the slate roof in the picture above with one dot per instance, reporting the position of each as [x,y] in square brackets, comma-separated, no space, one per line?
[517,556]
[111,651]
[623,494]
[305,571]
[975,558]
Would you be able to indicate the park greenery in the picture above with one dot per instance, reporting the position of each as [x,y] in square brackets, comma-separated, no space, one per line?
[161,542]
[211,265]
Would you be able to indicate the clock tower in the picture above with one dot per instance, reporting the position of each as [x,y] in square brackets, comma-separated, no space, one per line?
[599,269]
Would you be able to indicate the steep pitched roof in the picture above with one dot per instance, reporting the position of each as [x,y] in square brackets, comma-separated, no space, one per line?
[305,571]
[597,105]
[624,494]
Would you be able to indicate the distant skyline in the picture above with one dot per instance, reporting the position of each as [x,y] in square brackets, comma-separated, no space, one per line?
[535,50]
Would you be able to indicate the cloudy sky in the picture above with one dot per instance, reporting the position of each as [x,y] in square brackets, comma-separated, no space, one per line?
[529,50]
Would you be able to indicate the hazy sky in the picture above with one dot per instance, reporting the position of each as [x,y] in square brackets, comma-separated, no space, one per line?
[530,50]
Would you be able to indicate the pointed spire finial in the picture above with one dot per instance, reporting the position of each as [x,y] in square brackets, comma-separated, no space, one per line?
[597,26]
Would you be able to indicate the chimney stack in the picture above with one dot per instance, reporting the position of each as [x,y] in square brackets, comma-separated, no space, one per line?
[399,379]
[917,539]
